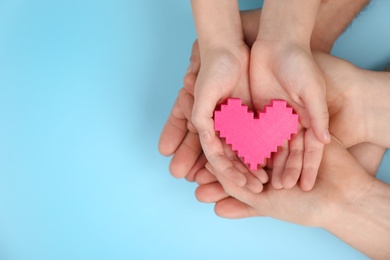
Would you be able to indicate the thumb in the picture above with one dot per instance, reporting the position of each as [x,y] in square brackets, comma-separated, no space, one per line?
[202,113]
[317,109]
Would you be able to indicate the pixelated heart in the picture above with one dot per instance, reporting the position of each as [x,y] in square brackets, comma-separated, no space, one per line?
[255,138]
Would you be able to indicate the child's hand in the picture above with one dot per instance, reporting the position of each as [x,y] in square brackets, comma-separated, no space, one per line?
[288,71]
[179,136]
[223,74]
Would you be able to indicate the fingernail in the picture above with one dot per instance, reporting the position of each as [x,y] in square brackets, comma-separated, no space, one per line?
[327,136]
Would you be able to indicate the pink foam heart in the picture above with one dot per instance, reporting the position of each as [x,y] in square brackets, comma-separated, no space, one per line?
[255,138]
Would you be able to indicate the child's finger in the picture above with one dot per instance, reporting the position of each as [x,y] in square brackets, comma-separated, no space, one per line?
[315,101]
[203,112]
[279,163]
[253,183]
[221,164]
[294,162]
[202,118]
[240,193]
[261,174]
[311,160]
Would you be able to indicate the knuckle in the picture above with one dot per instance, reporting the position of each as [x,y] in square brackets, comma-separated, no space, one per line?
[177,112]
[191,127]
[293,170]
[295,152]
[194,54]
[195,119]
[282,149]
[312,150]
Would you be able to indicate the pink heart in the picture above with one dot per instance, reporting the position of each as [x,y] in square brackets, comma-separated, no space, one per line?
[255,138]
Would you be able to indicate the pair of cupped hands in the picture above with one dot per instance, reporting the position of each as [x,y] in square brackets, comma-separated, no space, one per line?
[318,86]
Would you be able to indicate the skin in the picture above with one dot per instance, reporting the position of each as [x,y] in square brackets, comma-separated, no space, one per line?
[349,201]
[281,50]
[345,104]
[224,73]
[179,136]
[363,223]
[279,57]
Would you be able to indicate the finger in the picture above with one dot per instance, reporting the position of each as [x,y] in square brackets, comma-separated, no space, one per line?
[261,174]
[203,112]
[189,82]
[174,131]
[279,164]
[204,177]
[252,182]
[198,166]
[294,162]
[368,155]
[270,163]
[210,193]
[315,102]
[195,58]
[220,163]
[193,69]
[185,156]
[234,209]
[240,193]
[311,160]
[186,104]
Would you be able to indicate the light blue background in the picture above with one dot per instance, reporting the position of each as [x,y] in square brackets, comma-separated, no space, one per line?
[85,88]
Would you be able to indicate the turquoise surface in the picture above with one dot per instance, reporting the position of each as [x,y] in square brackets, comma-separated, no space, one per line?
[85,88]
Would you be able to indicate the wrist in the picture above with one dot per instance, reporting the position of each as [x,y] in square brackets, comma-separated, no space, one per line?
[288,21]
[217,45]
[250,25]
[221,39]
[348,195]
[225,55]
[332,19]
[217,21]
[376,95]
[364,222]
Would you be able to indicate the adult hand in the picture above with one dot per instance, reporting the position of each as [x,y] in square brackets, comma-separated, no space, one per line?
[358,102]
[347,200]
[313,208]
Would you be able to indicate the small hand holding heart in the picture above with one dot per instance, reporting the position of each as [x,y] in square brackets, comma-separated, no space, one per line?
[255,138]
